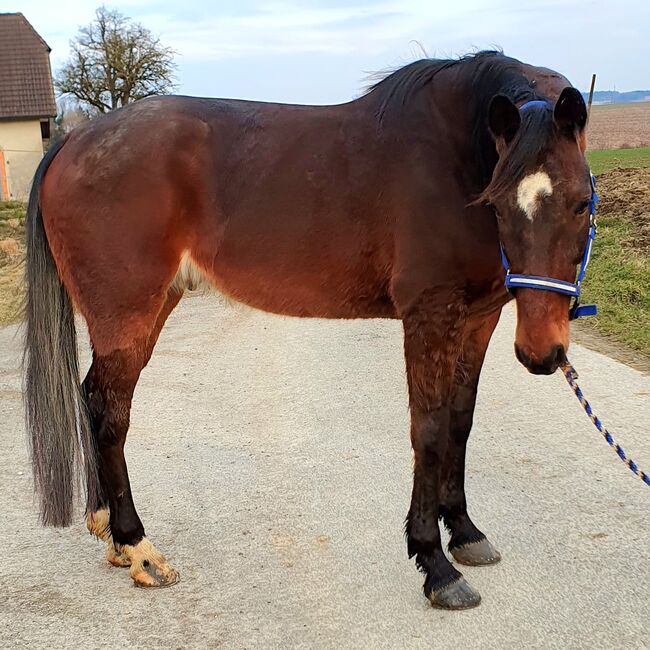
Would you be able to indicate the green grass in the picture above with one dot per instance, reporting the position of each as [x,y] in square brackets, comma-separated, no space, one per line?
[12,210]
[12,215]
[603,161]
[618,280]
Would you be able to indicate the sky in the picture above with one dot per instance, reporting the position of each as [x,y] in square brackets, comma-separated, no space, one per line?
[321,52]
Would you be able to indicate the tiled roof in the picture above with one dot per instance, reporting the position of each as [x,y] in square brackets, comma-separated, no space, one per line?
[25,76]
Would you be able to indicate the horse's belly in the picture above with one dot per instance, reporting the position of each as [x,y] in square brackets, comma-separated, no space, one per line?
[292,289]
[293,296]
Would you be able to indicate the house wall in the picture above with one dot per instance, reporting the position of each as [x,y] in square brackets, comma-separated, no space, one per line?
[21,143]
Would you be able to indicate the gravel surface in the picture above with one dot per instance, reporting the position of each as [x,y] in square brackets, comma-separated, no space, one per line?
[269,460]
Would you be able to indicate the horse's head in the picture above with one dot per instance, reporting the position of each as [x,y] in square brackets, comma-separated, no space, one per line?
[541,191]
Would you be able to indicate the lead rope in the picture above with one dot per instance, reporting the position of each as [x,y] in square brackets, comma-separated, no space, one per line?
[571,377]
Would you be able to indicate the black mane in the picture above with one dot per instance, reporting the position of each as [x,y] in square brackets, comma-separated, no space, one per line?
[487,73]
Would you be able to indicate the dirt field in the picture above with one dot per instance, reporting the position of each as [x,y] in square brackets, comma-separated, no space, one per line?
[626,193]
[619,126]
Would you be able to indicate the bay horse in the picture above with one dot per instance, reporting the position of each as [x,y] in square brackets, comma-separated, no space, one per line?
[393,205]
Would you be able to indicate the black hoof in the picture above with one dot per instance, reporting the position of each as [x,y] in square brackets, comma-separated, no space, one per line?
[457,595]
[479,553]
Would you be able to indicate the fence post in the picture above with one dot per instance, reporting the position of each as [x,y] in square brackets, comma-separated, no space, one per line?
[591,94]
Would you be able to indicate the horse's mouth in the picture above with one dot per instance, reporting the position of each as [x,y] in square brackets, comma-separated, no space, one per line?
[548,364]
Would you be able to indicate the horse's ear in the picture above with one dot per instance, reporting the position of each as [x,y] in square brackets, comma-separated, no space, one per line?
[503,119]
[570,111]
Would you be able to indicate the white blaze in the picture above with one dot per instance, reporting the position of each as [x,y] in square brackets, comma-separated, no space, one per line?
[531,190]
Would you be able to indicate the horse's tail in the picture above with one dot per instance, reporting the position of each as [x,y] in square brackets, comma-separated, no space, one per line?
[55,411]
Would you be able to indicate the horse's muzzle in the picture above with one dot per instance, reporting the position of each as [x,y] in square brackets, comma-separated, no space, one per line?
[546,366]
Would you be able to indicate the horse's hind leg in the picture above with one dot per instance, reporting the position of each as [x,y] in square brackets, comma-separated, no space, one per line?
[98,514]
[109,388]
[111,384]
[468,545]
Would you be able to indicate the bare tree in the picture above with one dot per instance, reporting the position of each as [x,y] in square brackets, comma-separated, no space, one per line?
[70,115]
[115,61]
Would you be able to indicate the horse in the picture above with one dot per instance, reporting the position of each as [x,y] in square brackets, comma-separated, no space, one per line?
[393,205]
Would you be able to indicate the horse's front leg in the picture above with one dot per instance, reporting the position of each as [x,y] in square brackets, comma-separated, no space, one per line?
[433,333]
[468,544]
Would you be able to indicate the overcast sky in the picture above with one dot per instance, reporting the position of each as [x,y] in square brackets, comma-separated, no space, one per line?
[320,51]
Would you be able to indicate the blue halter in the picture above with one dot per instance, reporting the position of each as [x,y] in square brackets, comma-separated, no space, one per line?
[522,281]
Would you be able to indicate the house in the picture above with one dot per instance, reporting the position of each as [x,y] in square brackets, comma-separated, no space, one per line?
[27,104]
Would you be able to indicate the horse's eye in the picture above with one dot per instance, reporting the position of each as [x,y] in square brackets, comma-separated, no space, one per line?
[581,207]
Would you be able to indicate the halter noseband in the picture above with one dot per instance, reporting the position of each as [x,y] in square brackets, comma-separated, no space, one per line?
[540,282]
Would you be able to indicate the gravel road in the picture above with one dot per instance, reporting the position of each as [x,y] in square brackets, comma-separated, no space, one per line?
[269,460]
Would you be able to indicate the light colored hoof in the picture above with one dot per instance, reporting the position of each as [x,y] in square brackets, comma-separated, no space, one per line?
[98,524]
[149,568]
[457,595]
[115,557]
[480,553]
[148,575]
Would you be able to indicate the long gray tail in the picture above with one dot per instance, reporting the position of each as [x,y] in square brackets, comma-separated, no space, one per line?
[61,442]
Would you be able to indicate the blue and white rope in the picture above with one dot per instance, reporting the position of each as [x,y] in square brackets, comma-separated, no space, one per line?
[571,377]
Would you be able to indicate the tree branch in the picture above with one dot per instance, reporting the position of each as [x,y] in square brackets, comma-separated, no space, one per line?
[115,61]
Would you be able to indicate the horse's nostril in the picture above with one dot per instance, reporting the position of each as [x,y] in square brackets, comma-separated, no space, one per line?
[560,354]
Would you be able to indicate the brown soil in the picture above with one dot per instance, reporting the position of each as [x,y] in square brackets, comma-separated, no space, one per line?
[619,126]
[626,193]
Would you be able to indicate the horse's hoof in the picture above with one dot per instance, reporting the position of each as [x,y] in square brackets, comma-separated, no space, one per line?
[457,595]
[479,553]
[149,568]
[148,574]
[115,557]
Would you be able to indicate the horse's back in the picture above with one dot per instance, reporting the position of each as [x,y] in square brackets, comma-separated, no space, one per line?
[259,198]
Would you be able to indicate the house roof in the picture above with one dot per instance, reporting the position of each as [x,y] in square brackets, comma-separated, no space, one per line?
[25,76]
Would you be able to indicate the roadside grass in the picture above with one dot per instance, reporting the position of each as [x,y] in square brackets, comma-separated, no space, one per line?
[604,161]
[618,281]
[12,251]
